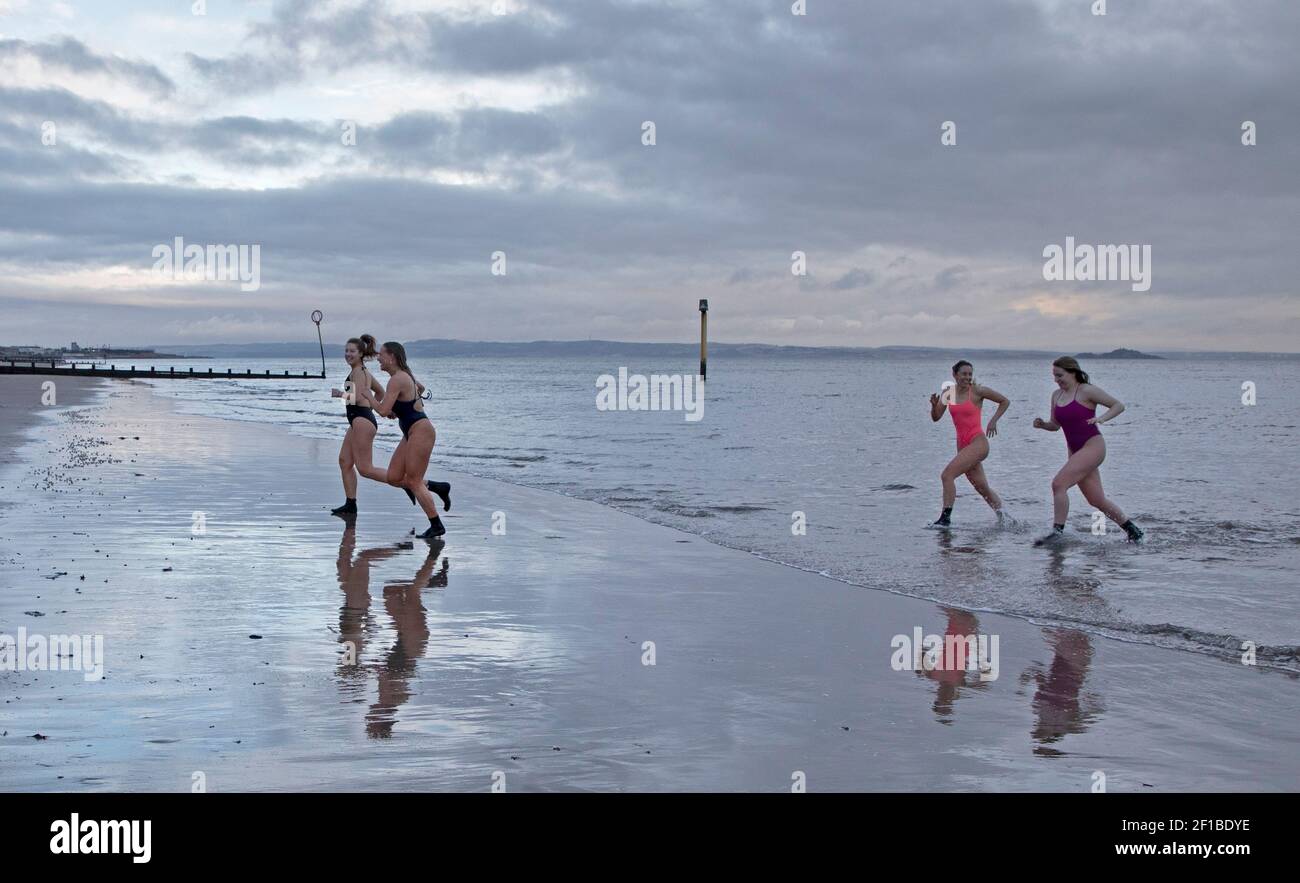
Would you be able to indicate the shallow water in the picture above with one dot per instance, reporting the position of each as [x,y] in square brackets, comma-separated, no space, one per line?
[848,442]
[521,655]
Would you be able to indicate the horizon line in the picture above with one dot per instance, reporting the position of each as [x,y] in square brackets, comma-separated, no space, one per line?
[851,347]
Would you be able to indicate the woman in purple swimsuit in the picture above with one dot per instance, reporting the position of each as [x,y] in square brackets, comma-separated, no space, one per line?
[1074,411]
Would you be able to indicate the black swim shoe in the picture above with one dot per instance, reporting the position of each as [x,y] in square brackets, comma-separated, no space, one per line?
[1056,536]
[1134,532]
[436,529]
[410,495]
[943,522]
[441,490]
[348,508]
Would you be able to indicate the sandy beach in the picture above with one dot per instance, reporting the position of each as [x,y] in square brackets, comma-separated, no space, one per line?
[580,649]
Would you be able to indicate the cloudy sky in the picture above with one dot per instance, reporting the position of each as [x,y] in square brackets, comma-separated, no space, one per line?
[517,126]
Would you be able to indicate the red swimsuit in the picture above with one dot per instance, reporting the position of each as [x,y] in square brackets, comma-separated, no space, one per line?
[966,417]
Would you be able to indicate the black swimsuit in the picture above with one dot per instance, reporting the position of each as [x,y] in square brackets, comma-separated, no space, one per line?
[355,411]
[407,416]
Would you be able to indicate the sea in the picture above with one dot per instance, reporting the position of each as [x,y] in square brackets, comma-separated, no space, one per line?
[830,463]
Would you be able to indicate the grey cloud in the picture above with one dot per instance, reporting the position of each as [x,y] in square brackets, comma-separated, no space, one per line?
[247,141]
[855,278]
[775,133]
[951,276]
[73,55]
[246,71]
[66,109]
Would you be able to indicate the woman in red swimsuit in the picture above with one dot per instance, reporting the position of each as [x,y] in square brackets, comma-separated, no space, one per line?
[1074,411]
[964,401]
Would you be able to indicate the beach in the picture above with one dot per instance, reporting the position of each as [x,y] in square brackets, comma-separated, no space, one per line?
[254,642]
[849,443]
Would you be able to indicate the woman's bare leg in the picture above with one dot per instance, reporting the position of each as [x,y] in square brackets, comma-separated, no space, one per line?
[967,458]
[395,474]
[1093,493]
[363,440]
[417,463]
[975,475]
[1076,469]
[346,464]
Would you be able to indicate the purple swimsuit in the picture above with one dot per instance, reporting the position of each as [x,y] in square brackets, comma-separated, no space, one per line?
[1073,420]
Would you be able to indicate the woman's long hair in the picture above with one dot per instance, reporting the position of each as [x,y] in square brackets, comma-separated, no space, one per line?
[399,356]
[1071,364]
[365,345]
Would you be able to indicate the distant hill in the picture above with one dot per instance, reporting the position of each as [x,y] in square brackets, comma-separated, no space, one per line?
[1118,354]
[603,348]
[610,348]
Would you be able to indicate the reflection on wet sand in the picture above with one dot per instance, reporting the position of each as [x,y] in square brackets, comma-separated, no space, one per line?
[950,681]
[1080,588]
[964,565]
[405,609]
[1060,705]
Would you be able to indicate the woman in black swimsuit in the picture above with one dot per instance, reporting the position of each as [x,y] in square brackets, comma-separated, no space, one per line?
[409,462]
[359,389]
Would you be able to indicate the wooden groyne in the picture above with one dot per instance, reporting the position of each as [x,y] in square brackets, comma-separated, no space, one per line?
[94,370]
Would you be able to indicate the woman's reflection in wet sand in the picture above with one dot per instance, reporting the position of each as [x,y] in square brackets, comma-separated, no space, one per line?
[955,671]
[961,564]
[405,609]
[1060,705]
[355,620]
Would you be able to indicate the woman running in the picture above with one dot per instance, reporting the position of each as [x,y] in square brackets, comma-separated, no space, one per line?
[409,462]
[355,454]
[1074,411]
[964,403]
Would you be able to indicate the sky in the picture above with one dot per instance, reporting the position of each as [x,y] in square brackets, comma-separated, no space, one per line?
[519,128]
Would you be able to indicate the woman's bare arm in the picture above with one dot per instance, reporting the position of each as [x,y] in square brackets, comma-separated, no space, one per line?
[1050,423]
[937,406]
[984,392]
[369,391]
[399,384]
[1098,396]
[358,397]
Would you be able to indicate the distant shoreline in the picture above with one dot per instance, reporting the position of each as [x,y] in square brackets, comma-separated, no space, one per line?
[89,357]
[426,348]
[438,347]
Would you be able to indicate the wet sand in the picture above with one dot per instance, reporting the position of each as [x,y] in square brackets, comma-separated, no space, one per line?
[520,658]
[21,402]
